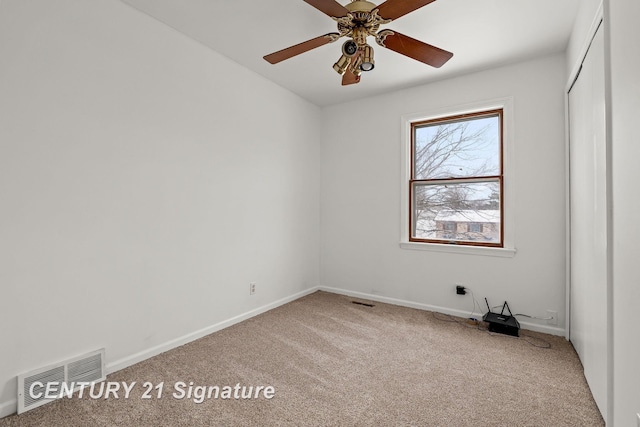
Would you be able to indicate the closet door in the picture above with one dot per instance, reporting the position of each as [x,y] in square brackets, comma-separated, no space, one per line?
[588,218]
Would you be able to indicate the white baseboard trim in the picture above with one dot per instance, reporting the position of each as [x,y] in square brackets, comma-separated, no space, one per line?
[154,351]
[8,408]
[420,306]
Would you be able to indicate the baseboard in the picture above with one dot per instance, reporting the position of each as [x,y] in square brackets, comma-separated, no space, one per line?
[8,408]
[420,306]
[154,351]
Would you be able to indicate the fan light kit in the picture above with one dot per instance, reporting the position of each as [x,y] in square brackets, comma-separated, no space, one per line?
[357,21]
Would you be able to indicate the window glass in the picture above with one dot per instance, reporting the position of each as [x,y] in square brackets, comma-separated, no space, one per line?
[457,180]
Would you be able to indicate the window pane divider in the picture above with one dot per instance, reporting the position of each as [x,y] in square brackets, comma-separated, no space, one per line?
[492,178]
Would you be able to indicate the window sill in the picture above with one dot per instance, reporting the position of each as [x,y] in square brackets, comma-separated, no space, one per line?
[460,249]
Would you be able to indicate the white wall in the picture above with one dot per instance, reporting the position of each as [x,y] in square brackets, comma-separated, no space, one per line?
[360,201]
[622,19]
[144,182]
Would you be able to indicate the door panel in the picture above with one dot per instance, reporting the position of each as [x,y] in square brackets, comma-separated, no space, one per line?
[588,218]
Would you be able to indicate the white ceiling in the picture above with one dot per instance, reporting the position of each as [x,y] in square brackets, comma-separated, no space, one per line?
[481,34]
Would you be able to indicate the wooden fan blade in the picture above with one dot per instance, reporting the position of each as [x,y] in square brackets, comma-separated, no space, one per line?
[329,7]
[303,47]
[416,49]
[394,9]
[349,78]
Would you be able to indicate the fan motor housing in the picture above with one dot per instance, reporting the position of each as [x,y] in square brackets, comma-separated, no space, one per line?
[360,6]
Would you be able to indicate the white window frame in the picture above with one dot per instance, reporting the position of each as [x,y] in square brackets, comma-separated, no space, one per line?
[508,249]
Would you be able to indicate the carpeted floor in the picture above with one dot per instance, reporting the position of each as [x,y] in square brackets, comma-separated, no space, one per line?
[335,363]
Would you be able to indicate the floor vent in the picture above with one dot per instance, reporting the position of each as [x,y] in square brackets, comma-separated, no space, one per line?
[362,303]
[46,384]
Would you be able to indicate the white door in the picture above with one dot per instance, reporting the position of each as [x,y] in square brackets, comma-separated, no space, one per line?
[588,218]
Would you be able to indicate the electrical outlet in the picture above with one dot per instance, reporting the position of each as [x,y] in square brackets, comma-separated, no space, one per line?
[554,317]
[252,288]
[460,290]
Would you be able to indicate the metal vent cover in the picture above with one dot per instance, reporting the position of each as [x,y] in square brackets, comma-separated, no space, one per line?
[52,375]
[86,369]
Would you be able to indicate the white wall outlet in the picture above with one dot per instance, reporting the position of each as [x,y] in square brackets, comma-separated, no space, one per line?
[252,288]
[554,317]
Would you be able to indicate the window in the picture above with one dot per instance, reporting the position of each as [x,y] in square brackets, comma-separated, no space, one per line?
[450,226]
[475,227]
[456,184]
[449,230]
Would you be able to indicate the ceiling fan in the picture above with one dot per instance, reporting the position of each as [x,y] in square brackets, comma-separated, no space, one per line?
[357,21]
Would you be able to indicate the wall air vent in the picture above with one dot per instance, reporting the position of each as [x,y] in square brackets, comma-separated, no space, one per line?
[46,384]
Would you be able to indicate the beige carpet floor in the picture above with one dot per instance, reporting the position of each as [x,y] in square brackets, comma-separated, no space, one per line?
[336,363]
